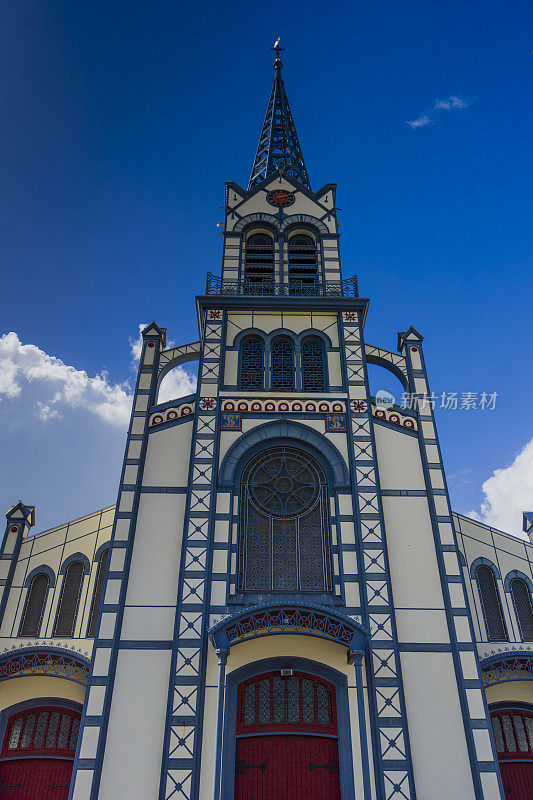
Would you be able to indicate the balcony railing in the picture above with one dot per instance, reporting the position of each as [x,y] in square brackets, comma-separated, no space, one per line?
[294,288]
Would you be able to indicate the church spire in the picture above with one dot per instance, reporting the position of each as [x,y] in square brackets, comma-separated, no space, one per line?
[278,149]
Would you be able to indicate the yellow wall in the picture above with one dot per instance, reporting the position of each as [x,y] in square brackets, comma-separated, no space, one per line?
[511,691]
[35,687]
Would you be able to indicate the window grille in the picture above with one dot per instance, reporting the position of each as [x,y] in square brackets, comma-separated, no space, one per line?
[34,608]
[284,526]
[523,608]
[313,367]
[68,602]
[282,352]
[513,733]
[283,704]
[490,602]
[97,594]
[259,264]
[303,271]
[252,360]
[42,732]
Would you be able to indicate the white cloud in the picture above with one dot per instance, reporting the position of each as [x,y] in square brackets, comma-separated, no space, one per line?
[51,386]
[508,492]
[450,104]
[421,121]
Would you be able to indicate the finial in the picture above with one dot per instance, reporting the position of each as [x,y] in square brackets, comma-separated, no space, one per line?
[277,49]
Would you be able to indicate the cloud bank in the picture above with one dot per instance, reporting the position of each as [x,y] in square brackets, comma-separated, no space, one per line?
[452,103]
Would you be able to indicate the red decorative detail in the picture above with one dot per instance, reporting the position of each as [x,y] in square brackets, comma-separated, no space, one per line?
[379,412]
[214,314]
[242,406]
[186,410]
[292,761]
[515,751]
[150,344]
[296,407]
[310,407]
[229,406]
[13,529]
[394,418]
[157,419]
[270,407]
[337,407]
[323,407]
[280,198]
[172,414]
[350,316]
[283,407]
[408,423]
[414,349]
[207,403]
[255,407]
[358,405]
[38,753]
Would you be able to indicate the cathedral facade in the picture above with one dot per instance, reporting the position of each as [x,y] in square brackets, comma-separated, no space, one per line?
[282,604]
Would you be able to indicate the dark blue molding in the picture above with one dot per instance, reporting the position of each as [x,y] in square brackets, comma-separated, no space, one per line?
[189,398]
[44,568]
[515,573]
[247,332]
[485,562]
[388,365]
[264,436]
[307,221]
[304,665]
[35,660]
[250,221]
[98,553]
[76,557]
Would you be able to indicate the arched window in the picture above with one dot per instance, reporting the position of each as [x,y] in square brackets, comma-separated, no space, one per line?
[313,365]
[512,729]
[251,354]
[34,608]
[284,542]
[97,594]
[68,601]
[523,608]
[303,269]
[490,602]
[259,264]
[282,353]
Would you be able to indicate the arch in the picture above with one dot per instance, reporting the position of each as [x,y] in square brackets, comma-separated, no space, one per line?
[300,618]
[303,665]
[306,219]
[100,550]
[490,604]
[97,591]
[510,665]
[32,616]
[314,364]
[43,568]
[48,660]
[315,332]
[76,557]
[516,573]
[481,560]
[393,362]
[259,261]
[251,373]
[168,359]
[302,252]
[282,364]
[285,430]
[251,219]
[67,609]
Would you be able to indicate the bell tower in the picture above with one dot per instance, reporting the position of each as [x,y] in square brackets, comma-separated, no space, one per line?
[284,612]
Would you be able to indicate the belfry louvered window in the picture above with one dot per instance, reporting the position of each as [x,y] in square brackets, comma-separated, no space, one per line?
[34,608]
[284,542]
[490,602]
[252,363]
[282,355]
[68,602]
[97,594]
[313,366]
[523,608]
[259,264]
[303,270]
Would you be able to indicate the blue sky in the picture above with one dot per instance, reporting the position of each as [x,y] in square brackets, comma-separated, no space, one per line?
[121,122]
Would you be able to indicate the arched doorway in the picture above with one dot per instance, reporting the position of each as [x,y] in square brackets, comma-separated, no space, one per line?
[38,753]
[513,736]
[287,744]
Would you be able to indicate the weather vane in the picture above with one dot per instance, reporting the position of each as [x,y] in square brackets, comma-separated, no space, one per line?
[277,49]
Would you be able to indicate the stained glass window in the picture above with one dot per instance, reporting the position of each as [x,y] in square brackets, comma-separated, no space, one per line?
[313,366]
[264,701]
[490,602]
[308,701]
[284,525]
[508,731]
[278,699]
[529,728]
[322,704]
[51,734]
[97,594]
[68,601]
[33,610]
[74,733]
[252,364]
[27,735]
[523,607]
[15,733]
[40,730]
[520,733]
[282,354]
[63,731]
[293,699]
[498,735]
[249,705]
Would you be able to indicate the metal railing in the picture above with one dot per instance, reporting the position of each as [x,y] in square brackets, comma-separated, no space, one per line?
[295,287]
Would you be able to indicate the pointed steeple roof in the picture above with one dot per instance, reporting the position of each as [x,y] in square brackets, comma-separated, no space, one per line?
[278,148]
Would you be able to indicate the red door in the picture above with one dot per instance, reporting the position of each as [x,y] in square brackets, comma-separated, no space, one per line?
[513,736]
[286,739]
[38,753]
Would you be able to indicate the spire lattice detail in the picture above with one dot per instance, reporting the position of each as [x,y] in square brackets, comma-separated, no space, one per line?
[278,150]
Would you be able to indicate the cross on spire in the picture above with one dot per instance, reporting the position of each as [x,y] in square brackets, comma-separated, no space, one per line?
[278,150]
